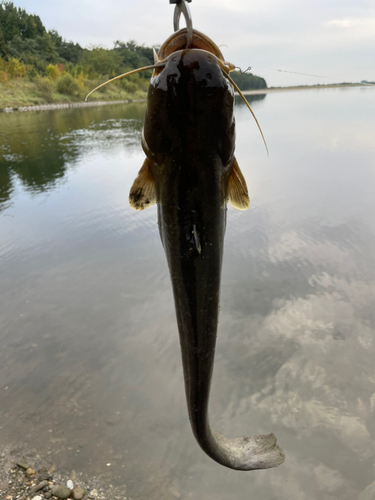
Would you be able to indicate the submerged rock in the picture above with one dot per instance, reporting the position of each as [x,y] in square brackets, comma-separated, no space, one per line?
[44,475]
[60,491]
[78,493]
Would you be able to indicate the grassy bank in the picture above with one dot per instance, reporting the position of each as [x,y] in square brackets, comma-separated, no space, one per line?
[41,90]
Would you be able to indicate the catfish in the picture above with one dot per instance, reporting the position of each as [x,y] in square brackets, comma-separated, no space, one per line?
[191,174]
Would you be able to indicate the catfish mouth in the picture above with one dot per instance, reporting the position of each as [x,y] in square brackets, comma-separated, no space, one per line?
[178,41]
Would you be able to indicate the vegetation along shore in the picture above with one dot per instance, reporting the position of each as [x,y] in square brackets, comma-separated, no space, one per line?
[39,67]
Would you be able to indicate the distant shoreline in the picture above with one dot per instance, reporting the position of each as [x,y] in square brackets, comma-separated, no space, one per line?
[304,87]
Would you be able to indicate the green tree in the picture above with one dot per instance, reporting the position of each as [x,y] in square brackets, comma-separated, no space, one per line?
[4,50]
[102,61]
[248,81]
[71,52]
[17,22]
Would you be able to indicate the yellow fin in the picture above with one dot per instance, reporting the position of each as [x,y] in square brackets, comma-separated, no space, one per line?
[142,193]
[238,196]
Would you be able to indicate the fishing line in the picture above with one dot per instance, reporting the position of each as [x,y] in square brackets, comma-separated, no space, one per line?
[295,73]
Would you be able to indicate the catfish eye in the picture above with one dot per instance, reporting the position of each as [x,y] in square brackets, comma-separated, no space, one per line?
[174,59]
[209,58]
[209,76]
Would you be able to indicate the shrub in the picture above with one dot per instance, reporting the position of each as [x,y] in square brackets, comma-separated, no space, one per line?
[14,67]
[45,87]
[54,70]
[67,85]
[4,77]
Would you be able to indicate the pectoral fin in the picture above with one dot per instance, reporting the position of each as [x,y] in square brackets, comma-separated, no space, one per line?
[142,193]
[238,196]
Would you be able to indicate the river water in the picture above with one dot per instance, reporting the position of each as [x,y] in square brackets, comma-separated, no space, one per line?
[90,368]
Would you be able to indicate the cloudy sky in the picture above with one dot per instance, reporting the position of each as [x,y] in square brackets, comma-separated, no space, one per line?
[331,38]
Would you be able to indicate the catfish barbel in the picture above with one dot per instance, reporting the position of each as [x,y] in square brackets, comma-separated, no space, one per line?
[191,173]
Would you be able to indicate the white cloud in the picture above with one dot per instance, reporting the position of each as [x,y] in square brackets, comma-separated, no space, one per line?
[343,23]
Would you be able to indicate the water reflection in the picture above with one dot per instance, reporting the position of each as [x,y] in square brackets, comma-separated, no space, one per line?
[38,148]
[89,355]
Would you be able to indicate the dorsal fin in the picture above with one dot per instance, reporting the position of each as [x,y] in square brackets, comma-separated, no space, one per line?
[238,196]
[142,193]
[156,57]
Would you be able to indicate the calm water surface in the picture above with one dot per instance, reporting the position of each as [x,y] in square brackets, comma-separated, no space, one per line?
[90,369]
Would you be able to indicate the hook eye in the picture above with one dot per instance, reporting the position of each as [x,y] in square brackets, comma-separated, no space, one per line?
[183,8]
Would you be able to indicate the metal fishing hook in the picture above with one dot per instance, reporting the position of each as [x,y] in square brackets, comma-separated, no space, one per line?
[243,72]
[182,7]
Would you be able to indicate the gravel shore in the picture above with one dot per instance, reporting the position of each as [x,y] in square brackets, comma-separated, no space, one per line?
[29,477]
[45,107]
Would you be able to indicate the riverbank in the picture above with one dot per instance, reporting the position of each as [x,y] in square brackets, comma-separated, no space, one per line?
[46,107]
[43,94]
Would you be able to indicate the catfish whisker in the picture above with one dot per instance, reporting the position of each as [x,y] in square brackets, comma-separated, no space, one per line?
[226,74]
[153,66]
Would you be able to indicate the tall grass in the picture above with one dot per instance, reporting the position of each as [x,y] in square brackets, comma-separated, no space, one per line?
[21,85]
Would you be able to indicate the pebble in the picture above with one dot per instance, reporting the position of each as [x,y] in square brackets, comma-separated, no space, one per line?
[23,465]
[93,494]
[38,487]
[48,494]
[30,472]
[174,492]
[70,484]
[44,475]
[78,493]
[60,491]
[38,497]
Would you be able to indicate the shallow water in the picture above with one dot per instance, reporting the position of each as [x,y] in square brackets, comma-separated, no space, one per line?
[90,368]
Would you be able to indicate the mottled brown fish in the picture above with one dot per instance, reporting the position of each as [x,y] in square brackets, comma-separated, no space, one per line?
[191,173]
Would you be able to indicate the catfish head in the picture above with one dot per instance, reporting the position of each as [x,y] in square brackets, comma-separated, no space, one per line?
[191,173]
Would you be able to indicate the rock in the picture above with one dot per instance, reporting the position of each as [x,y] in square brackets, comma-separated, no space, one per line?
[30,472]
[93,494]
[52,469]
[78,493]
[23,465]
[48,494]
[38,487]
[38,497]
[60,491]
[44,475]
[70,484]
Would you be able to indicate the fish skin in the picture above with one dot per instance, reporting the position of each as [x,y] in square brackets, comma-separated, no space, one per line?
[189,141]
